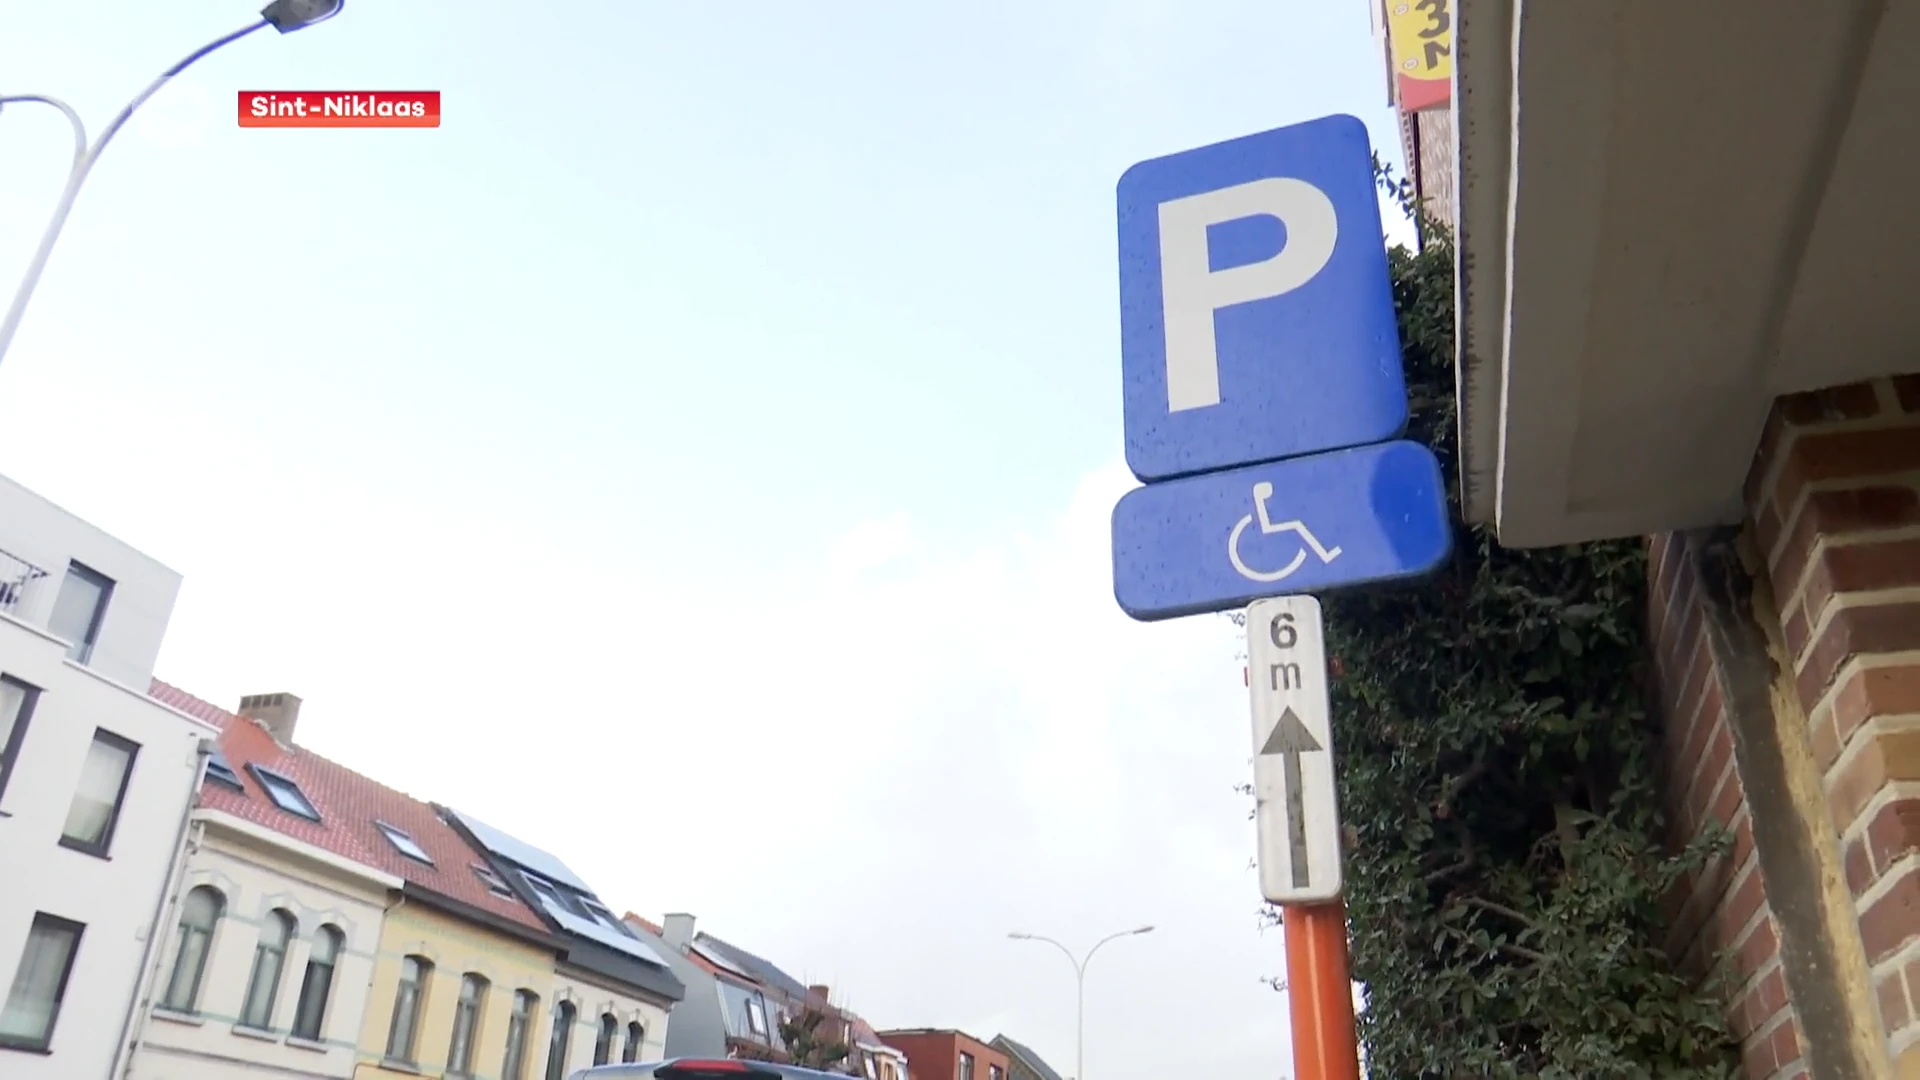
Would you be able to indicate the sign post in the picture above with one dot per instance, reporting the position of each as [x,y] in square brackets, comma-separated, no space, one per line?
[1298,817]
[1325,1044]
[1264,403]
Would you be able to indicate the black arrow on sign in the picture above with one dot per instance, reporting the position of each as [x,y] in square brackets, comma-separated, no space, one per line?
[1290,738]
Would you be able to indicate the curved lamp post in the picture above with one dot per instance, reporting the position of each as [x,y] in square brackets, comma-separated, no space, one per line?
[286,16]
[1080,988]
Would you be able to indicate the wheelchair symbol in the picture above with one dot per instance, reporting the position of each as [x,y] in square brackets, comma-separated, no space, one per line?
[1263,491]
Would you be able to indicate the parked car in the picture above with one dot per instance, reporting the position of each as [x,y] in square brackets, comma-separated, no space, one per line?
[703,1069]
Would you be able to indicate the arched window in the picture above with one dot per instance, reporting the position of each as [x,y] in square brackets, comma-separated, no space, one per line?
[636,1040]
[193,940]
[603,1042]
[466,1024]
[317,986]
[269,960]
[404,1030]
[561,1040]
[519,1027]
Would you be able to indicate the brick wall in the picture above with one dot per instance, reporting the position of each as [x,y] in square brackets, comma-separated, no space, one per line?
[1436,162]
[1835,497]
[1426,144]
[1722,911]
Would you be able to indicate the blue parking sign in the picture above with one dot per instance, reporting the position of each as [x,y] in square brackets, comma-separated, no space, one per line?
[1256,311]
[1351,517]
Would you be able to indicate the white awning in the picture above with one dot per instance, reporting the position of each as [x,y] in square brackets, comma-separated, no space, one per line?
[1671,213]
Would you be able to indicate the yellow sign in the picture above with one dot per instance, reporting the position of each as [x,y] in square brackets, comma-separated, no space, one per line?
[1421,35]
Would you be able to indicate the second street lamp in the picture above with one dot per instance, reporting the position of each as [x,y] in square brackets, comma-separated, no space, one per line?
[1080,988]
[286,16]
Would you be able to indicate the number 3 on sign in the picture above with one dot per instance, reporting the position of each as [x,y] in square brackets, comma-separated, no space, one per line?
[1421,32]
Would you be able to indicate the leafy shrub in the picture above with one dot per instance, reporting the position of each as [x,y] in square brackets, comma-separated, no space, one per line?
[1497,782]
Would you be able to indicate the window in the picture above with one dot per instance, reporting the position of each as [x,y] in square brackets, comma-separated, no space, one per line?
[756,1017]
[873,1071]
[995,1072]
[402,1033]
[79,610]
[561,1040]
[16,708]
[491,880]
[466,1024]
[636,1041]
[269,959]
[519,1023]
[966,1066]
[33,1002]
[96,800]
[402,842]
[285,793]
[604,917]
[317,985]
[199,914]
[218,768]
[547,892]
[603,1043]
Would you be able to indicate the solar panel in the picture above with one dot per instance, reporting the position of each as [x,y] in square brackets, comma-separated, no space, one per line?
[763,970]
[524,854]
[720,960]
[605,935]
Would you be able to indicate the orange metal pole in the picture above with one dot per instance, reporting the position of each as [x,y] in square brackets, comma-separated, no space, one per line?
[1326,1045]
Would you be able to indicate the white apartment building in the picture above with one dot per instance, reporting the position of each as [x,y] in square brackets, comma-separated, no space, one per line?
[97,782]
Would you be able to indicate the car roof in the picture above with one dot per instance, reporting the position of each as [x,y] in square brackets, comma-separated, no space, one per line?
[647,1068]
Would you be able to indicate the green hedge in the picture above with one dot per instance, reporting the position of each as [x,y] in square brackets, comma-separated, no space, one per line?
[1497,780]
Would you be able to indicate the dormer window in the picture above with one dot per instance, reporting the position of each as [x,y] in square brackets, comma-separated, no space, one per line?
[218,768]
[402,842]
[757,1017]
[604,917]
[285,793]
[546,889]
[492,881]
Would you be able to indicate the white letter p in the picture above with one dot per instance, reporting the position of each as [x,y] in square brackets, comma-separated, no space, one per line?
[1190,291]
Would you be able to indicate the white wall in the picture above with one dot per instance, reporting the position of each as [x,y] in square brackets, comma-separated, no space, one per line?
[257,871]
[115,897]
[591,1000]
[38,532]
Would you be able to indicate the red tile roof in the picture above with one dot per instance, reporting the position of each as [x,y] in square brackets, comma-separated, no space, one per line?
[349,804]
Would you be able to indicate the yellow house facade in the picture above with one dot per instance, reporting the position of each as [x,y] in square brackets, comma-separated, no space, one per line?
[456,995]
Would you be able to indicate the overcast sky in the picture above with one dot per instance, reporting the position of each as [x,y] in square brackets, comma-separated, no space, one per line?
[695,457]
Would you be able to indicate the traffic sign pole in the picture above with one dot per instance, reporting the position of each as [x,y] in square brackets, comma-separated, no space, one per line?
[1263,403]
[1326,1045]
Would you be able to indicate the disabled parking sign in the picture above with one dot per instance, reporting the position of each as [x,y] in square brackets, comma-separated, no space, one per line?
[1225,539]
[1263,389]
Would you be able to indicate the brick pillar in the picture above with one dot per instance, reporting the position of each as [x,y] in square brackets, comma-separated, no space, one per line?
[1835,498]
[1723,911]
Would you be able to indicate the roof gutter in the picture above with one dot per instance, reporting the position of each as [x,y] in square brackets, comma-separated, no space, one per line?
[1486,51]
[462,909]
[260,834]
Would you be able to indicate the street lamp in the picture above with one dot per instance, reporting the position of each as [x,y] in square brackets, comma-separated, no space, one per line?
[1080,983]
[286,16]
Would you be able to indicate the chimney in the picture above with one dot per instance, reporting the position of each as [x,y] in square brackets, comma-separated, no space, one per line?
[822,992]
[278,713]
[676,929]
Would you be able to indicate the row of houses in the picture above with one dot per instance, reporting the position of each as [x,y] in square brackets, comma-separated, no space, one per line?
[190,894]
